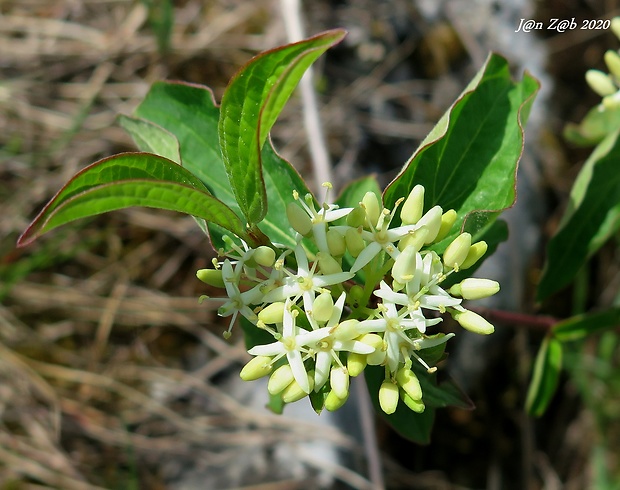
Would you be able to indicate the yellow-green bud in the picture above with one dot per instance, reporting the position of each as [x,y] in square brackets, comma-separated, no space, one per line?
[612,60]
[256,368]
[373,340]
[336,243]
[377,358]
[280,379]
[339,381]
[323,307]
[346,330]
[333,403]
[356,363]
[356,293]
[212,277]
[328,264]
[612,102]
[457,251]
[273,313]
[447,220]
[474,288]
[600,82]
[615,26]
[413,206]
[416,406]
[473,322]
[408,381]
[355,242]
[432,220]
[298,218]
[476,251]
[373,209]
[294,392]
[414,239]
[264,256]
[388,397]
[357,217]
[404,266]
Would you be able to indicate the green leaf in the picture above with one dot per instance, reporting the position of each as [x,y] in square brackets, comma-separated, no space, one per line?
[594,127]
[151,138]
[545,377]
[468,162]
[353,193]
[131,179]
[250,106]
[580,326]
[189,113]
[593,215]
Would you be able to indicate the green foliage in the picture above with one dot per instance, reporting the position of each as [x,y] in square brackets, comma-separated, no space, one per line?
[545,377]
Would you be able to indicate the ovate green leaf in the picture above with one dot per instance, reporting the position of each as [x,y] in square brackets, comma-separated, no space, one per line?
[545,377]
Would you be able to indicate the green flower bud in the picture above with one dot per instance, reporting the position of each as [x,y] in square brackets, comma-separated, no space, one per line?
[256,368]
[356,363]
[408,381]
[476,251]
[615,26]
[370,203]
[414,239]
[212,277]
[346,330]
[273,313]
[413,206]
[293,391]
[612,60]
[457,251]
[333,403]
[473,322]
[432,220]
[328,264]
[612,102]
[280,379]
[336,243]
[323,307]
[357,217]
[447,220]
[373,340]
[264,256]
[388,397]
[416,406]
[356,293]
[355,242]
[298,218]
[600,82]
[404,266]
[377,358]
[474,288]
[339,381]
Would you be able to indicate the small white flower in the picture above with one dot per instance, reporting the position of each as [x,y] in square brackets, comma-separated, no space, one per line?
[238,302]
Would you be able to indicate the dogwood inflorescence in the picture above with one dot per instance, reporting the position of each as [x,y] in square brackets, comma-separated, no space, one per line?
[327,326]
[607,85]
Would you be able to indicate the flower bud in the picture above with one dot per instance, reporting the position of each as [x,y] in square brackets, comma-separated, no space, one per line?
[298,218]
[346,330]
[356,363]
[432,220]
[256,368]
[413,206]
[377,358]
[615,26]
[373,340]
[357,217]
[356,293]
[388,397]
[280,379]
[355,242]
[333,403]
[273,313]
[476,251]
[328,264]
[416,406]
[336,243]
[408,381]
[323,307]
[404,266]
[474,288]
[339,381]
[212,277]
[370,203]
[473,322]
[447,220]
[457,251]
[414,239]
[264,256]
[612,60]
[612,102]
[294,391]
[600,82]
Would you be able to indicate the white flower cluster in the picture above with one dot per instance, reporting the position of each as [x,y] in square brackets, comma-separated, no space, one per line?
[608,85]
[325,326]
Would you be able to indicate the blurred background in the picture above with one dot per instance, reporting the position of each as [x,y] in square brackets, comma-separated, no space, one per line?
[112,376]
